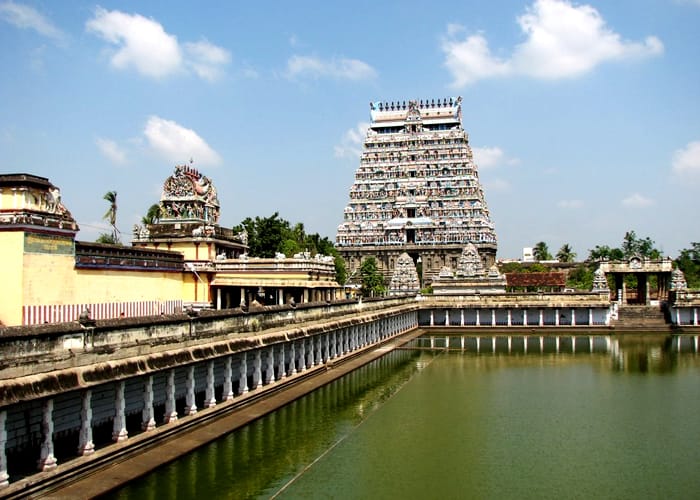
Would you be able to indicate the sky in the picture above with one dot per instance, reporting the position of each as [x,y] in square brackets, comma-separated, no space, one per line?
[584,117]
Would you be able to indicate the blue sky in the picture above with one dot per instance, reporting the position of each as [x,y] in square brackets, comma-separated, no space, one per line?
[584,117]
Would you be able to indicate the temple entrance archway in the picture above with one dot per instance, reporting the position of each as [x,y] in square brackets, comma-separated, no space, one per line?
[639,281]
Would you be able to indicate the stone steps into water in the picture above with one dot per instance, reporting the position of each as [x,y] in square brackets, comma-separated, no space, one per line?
[641,317]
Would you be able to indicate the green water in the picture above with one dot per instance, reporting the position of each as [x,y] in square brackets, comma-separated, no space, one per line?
[421,424]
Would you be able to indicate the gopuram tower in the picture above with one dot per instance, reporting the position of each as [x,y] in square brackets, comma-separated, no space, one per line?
[417,191]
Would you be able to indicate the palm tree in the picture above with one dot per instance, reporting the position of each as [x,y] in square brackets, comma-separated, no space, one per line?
[152,216]
[111,214]
[541,251]
[566,253]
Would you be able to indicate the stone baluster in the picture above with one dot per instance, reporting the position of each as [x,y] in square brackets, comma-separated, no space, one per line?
[280,364]
[243,374]
[85,444]
[4,476]
[478,317]
[319,349]
[257,370]
[47,460]
[209,394]
[228,379]
[190,403]
[312,361]
[119,432]
[170,410]
[556,316]
[270,370]
[302,356]
[148,422]
[292,359]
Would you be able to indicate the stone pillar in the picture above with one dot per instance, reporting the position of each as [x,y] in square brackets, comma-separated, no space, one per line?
[218,298]
[4,476]
[556,317]
[257,369]
[148,422]
[541,321]
[243,374]
[292,359]
[270,370]
[319,350]
[47,461]
[573,317]
[302,356]
[190,403]
[227,394]
[334,343]
[525,317]
[432,318]
[493,317]
[119,432]
[590,316]
[170,410]
[695,316]
[461,317]
[209,395]
[280,364]
[478,317]
[312,360]
[85,444]
[510,317]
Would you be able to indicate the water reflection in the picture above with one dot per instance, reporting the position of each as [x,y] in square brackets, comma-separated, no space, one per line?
[259,460]
[643,353]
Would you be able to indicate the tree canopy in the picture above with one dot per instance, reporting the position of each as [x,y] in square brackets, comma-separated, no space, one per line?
[372,280]
[541,251]
[631,245]
[268,236]
[689,262]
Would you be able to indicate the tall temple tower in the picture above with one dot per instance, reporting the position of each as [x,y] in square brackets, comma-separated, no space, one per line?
[417,191]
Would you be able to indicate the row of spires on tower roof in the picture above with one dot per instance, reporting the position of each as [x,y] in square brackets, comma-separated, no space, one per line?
[403,105]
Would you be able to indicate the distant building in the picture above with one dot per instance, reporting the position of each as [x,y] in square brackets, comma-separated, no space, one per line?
[528,254]
[416,191]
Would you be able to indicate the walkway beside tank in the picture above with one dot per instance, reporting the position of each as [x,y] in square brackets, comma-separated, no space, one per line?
[151,455]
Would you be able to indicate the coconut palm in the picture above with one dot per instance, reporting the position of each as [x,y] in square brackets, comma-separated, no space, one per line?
[111,214]
[153,215]
[541,251]
[566,253]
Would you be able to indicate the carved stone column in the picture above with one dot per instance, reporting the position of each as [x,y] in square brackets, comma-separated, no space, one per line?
[209,395]
[243,374]
[85,444]
[47,460]
[170,410]
[148,422]
[4,476]
[257,370]
[228,383]
[119,432]
[190,403]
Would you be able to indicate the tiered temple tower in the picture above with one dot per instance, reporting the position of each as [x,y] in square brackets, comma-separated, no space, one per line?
[417,191]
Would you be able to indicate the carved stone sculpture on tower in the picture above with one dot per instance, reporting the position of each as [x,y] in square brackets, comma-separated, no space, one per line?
[405,278]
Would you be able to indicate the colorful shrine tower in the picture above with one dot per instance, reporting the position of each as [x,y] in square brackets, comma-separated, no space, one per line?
[417,191]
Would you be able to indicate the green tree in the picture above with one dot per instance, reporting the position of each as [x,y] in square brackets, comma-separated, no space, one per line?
[152,215]
[689,262]
[107,238]
[581,277]
[604,252]
[644,247]
[541,251]
[372,280]
[111,214]
[566,254]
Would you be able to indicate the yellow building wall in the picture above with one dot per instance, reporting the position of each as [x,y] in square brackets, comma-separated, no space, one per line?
[11,245]
[99,285]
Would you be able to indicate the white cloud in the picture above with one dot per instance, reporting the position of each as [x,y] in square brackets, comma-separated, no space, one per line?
[341,69]
[111,151]
[686,161]
[351,143]
[561,40]
[176,143]
[207,59]
[572,204]
[636,200]
[144,45]
[26,17]
[488,157]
